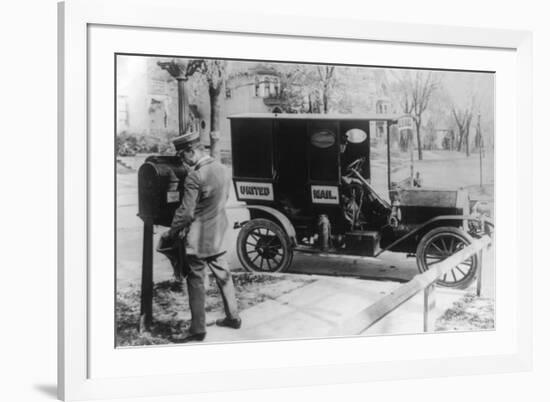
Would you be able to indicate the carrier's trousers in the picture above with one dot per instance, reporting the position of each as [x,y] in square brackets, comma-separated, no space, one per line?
[196,290]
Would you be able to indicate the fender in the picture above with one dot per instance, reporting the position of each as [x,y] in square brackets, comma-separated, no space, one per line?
[487,221]
[283,220]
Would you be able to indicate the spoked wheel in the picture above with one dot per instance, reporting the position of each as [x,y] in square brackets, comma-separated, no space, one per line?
[262,246]
[441,243]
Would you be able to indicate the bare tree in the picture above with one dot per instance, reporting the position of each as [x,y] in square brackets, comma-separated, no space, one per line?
[298,83]
[463,119]
[406,136]
[327,80]
[312,88]
[478,139]
[214,72]
[416,90]
[430,139]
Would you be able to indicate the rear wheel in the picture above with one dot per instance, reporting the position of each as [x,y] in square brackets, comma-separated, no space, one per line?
[263,246]
[439,244]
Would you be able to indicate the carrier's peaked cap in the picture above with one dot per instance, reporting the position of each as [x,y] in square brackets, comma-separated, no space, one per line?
[184,141]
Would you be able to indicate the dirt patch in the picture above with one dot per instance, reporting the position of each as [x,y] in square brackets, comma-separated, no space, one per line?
[471,313]
[171,308]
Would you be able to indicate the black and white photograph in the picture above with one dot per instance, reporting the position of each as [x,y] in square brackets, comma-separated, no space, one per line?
[265,200]
[277,201]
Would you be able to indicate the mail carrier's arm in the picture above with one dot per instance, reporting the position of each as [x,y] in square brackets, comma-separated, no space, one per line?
[185,214]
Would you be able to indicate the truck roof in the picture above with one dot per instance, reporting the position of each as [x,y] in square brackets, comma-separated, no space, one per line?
[318,116]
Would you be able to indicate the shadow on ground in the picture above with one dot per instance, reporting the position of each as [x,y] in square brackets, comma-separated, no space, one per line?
[49,390]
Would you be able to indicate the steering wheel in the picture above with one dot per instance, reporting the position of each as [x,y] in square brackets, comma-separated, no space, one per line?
[356,165]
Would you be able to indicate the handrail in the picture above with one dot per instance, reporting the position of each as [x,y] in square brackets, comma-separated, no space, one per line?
[381,308]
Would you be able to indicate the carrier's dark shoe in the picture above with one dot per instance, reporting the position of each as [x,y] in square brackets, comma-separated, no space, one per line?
[189,337]
[234,323]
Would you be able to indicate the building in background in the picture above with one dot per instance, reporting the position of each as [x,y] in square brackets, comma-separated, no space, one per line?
[147,103]
[147,99]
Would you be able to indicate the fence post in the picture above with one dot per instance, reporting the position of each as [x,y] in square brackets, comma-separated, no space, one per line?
[429,305]
[479,273]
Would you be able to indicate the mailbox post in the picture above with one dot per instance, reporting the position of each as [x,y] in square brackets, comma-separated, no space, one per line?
[146,311]
[160,187]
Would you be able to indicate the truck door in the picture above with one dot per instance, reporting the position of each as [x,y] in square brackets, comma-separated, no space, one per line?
[324,162]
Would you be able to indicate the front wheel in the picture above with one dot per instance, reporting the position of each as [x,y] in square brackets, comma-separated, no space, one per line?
[262,246]
[439,244]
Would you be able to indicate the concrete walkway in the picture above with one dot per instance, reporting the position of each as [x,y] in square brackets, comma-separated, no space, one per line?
[316,309]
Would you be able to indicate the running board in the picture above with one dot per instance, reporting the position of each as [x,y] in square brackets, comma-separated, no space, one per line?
[331,253]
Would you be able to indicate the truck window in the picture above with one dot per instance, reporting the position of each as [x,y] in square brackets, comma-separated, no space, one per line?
[323,151]
[252,144]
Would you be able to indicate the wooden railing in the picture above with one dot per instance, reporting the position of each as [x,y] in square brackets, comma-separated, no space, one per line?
[369,316]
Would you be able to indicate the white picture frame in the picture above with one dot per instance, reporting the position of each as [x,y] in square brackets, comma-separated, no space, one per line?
[76,377]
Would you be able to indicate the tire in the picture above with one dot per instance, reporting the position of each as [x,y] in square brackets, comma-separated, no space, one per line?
[440,243]
[263,246]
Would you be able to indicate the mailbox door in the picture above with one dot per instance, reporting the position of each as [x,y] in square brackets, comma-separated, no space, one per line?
[160,188]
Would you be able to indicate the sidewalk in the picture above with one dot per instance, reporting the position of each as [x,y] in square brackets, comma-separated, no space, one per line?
[316,309]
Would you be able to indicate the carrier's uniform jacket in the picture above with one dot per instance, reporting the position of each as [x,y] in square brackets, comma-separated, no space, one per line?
[202,209]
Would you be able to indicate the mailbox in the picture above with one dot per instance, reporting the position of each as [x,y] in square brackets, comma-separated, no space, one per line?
[160,188]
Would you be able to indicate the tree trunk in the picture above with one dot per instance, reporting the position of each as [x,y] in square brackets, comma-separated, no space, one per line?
[403,141]
[182,108]
[467,141]
[478,140]
[418,122]
[214,122]
[453,140]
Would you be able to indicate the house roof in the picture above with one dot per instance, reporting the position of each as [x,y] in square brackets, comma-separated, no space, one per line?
[261,69]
